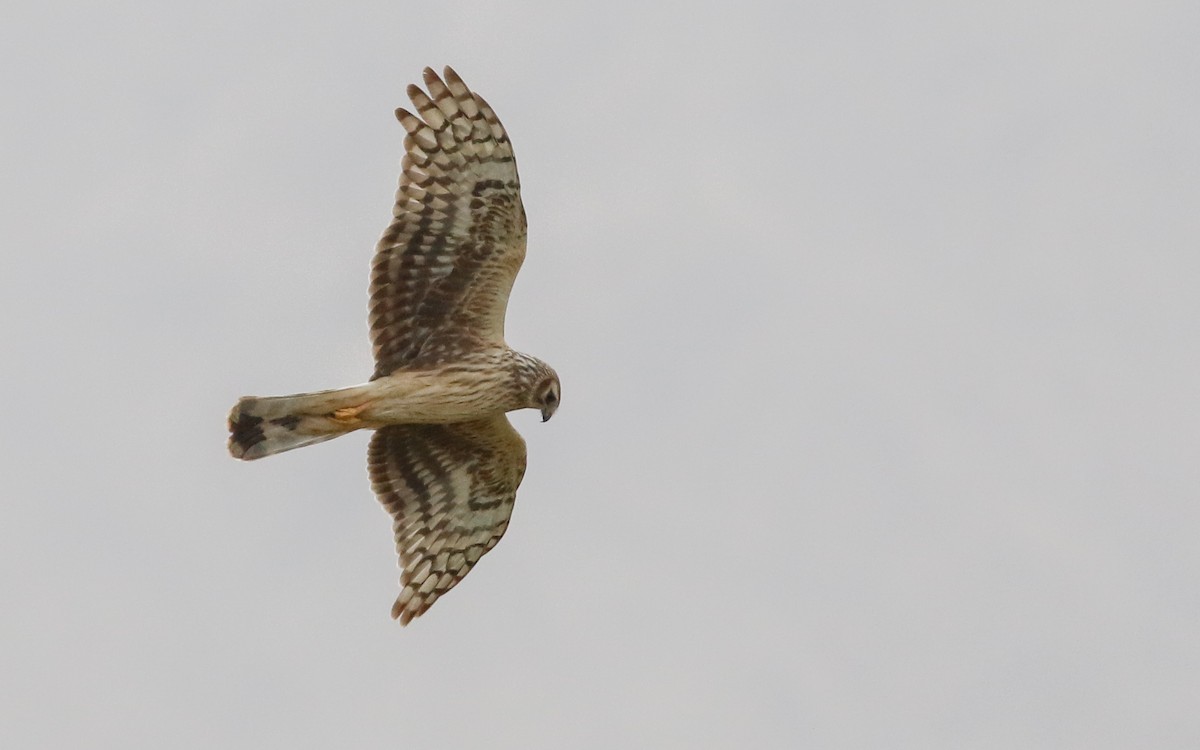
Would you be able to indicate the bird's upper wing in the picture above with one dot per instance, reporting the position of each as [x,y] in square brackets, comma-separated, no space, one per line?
[450,490]
[444,268]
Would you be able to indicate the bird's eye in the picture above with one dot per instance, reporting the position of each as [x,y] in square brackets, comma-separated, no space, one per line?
[551,397]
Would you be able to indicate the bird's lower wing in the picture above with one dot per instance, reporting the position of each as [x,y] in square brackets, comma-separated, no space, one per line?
[450,490]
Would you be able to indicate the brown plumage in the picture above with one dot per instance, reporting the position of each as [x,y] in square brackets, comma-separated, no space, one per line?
[444,460]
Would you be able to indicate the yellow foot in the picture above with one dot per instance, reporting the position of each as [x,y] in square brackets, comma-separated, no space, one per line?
[349,415]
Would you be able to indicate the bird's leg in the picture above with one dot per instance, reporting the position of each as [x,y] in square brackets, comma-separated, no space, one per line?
[349,415]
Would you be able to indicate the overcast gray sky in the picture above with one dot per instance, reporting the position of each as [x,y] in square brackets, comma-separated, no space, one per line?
[878,332]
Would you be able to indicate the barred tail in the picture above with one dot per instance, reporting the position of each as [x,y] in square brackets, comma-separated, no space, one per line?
[264,426]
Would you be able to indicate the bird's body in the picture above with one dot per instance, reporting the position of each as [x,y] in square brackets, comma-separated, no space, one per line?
[484,384]
[444,461]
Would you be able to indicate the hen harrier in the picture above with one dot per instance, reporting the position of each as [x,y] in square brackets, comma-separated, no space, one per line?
[444,460]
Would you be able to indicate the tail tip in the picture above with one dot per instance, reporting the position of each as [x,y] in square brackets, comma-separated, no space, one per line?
[245,432]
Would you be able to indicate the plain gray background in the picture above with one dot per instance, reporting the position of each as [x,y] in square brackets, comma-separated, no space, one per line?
[877,324]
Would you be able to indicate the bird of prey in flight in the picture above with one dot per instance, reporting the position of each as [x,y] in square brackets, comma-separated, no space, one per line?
[444,460]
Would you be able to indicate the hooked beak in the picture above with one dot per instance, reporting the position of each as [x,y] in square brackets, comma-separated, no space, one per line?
[547,412]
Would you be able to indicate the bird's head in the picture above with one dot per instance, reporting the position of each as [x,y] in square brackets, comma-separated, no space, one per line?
[546,395]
